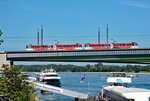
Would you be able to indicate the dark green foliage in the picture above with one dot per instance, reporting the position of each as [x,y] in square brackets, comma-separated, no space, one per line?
[13,83]
[88,68]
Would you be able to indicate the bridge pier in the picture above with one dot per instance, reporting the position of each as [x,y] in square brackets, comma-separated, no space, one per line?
[4,61]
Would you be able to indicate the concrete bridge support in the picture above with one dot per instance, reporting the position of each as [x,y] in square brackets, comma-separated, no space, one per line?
[4,61]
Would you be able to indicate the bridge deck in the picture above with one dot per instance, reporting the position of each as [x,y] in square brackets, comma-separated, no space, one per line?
[107,55]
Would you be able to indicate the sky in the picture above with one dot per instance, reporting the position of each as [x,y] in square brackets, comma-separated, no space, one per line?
[73,21]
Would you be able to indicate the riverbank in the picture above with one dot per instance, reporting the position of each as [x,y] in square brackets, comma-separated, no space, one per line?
[97,72]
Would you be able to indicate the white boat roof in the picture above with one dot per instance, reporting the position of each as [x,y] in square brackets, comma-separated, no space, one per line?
[122,89]
[131,93]
[50,71]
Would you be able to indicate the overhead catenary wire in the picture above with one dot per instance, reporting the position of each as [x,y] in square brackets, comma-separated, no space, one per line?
[120,36]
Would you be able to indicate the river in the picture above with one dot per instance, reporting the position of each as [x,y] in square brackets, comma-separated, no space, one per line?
[91,85]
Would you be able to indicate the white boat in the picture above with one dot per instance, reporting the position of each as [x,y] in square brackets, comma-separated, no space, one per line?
[118,91]
[50,77]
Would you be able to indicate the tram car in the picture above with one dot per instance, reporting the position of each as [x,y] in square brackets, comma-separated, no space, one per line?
[87,46]
[53,47]
[111,46]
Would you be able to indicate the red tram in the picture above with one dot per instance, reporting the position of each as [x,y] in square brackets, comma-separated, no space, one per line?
[79,46]
[54,47]
[112,46]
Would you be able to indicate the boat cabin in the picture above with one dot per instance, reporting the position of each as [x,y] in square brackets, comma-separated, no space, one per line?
[119,78]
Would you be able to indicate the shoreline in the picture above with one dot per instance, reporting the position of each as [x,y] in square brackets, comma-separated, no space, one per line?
[96,72]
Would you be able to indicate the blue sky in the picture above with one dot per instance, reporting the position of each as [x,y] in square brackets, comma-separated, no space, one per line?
[73,21]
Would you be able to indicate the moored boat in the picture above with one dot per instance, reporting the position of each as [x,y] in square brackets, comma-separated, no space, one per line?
[50,77]
[119,91]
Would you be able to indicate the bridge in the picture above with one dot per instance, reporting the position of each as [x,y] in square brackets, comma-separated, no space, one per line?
[140,56]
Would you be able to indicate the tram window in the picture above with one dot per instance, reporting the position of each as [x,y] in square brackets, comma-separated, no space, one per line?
[43,47]
[51,46]
[96,45]
[121,44]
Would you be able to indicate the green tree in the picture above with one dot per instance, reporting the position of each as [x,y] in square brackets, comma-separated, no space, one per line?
[14,84]
[1,41]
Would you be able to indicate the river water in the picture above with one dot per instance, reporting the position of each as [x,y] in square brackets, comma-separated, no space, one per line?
[91,85]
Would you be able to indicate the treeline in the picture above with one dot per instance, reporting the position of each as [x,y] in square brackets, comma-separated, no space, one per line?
[88,68]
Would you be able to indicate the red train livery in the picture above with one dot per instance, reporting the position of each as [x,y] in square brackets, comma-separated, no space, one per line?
[80,47]
[54,47]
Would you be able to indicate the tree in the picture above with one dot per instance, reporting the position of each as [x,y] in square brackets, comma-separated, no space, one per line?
[14,84]
[1,41]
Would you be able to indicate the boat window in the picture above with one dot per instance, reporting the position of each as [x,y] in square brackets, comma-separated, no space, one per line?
[118,74]
[51,75]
